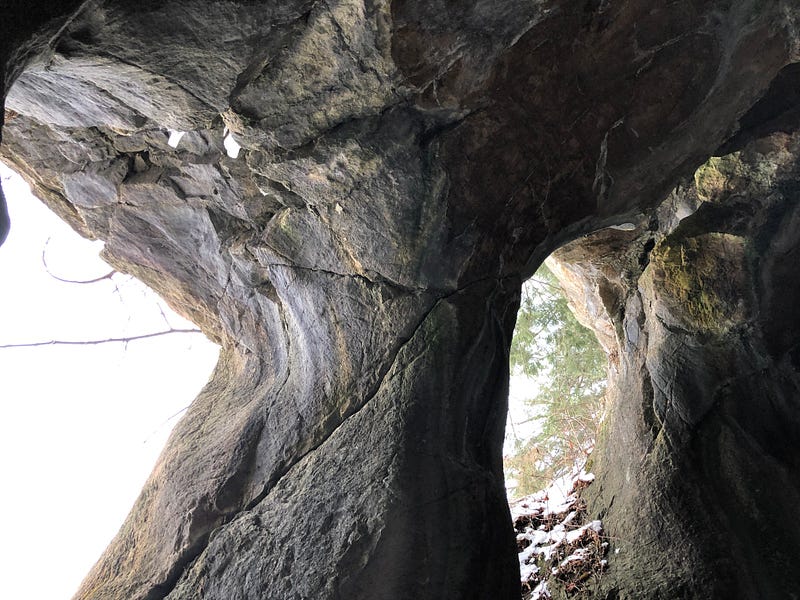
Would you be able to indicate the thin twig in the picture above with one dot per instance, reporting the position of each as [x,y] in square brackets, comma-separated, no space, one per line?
[108,275]
[96,342]
[163,315]
[167,420]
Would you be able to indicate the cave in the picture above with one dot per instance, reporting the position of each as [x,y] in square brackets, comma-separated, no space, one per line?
[346,196]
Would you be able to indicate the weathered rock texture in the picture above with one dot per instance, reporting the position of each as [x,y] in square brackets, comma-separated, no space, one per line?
[699,449]
[404,166]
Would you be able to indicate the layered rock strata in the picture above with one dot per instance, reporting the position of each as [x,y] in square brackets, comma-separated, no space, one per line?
[403,167]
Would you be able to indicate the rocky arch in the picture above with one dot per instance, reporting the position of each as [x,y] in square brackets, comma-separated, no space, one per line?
[404,166]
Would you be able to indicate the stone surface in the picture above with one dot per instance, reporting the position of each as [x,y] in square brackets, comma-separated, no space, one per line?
[404,166]
[697,451]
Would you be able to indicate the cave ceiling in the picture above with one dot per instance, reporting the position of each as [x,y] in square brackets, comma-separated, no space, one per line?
[346,195]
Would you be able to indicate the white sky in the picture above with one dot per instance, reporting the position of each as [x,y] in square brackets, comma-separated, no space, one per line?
[80,426]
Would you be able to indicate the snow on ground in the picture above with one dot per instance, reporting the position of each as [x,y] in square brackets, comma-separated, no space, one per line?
[558,545]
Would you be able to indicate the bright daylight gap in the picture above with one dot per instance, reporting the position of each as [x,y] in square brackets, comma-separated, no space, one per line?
[556,402]
[558,382]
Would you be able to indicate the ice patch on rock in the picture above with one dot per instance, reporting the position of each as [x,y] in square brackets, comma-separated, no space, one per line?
[232,147]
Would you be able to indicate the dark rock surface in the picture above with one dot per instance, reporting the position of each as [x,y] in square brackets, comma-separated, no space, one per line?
[403,167]
[698,452]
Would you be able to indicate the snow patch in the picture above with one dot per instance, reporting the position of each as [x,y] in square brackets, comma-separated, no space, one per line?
[623,227]
[175,137]
[557,544]
[540,592]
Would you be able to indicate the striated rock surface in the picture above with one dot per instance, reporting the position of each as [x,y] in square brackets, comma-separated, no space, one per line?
[697,453]
[403,166]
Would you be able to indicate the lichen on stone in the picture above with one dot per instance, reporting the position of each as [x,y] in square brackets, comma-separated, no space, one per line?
[709,179]
[698,279]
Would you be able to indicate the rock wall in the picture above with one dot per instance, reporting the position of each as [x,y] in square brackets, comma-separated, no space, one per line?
[697,451]
[403,166]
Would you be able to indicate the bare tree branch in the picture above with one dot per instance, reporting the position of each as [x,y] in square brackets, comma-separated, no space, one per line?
[108,275]
[96,342]
[163,315]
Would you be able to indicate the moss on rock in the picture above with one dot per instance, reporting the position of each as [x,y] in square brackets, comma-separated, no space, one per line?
[698,278]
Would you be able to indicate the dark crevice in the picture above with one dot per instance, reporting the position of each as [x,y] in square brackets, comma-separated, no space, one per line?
[225,224]
[372,279]
[227,504]
[388,365]
[378,280]
[162,590]
[283,194]
[644,257]
[777,110]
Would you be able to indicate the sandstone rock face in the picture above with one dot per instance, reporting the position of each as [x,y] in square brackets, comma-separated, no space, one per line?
[403,166]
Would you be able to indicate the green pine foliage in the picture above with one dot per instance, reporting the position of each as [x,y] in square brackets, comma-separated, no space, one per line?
[565,358]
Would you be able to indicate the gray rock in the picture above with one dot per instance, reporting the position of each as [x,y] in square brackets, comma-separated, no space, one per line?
[696,452]
[403,167]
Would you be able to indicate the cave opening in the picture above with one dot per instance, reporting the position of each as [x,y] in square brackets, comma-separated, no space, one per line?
[557,392]
[558,374]
[394,158]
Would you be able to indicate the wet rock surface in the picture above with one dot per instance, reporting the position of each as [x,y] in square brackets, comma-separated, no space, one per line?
[403,166]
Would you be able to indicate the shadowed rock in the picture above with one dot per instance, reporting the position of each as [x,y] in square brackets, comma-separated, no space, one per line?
[697,451]
[403,167]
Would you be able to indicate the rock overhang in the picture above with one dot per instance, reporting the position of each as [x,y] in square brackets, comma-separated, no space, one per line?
[403,166]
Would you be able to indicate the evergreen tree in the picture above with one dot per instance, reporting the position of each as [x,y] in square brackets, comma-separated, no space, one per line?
[566,359]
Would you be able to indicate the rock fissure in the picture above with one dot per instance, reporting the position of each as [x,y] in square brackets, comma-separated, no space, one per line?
[390,366]
[276,482]
[382,376]
[377,281]
[438,151]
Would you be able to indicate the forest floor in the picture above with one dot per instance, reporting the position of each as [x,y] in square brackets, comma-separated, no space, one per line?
[562,553]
